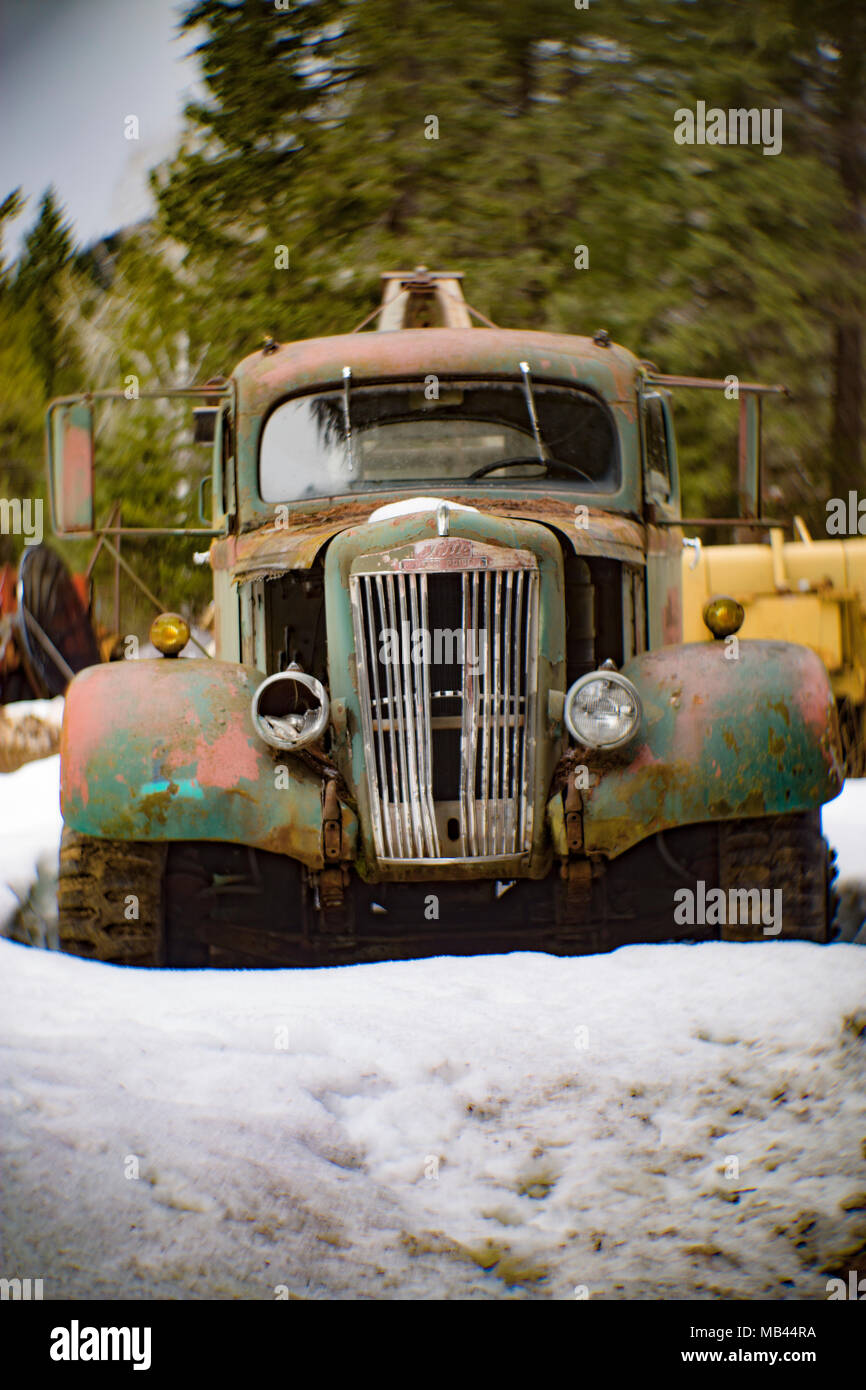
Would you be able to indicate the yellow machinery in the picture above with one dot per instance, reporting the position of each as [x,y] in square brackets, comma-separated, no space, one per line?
[811,592]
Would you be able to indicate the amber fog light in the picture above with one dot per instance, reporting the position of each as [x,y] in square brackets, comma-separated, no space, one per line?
[169,633]
[723,616]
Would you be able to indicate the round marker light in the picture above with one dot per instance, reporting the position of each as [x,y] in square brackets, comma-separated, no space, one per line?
[723,616]
[169,633]
[603,710]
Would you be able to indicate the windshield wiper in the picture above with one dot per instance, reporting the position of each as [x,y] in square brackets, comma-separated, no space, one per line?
[533,414]
[553,466]
[347,419]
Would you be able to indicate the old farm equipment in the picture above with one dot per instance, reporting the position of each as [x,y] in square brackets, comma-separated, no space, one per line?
[46,634]
[801,590]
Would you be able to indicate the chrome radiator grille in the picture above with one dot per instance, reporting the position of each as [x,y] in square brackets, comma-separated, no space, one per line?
[447,667]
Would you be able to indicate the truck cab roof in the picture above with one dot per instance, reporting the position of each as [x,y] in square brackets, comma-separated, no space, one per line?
[610,371]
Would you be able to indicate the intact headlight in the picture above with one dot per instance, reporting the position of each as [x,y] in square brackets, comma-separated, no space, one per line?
[602,710]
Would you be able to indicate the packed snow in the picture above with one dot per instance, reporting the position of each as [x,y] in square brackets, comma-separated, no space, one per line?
[30,826]
[667,1121]
[662,1122]
[49,711]
[844,825]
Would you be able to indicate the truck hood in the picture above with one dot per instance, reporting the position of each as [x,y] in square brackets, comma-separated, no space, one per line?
[273,549]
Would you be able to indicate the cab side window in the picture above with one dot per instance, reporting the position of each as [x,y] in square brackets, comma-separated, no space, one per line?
[658,464]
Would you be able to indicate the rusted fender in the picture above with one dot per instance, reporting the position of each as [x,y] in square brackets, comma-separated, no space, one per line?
[721,739]
[166,750]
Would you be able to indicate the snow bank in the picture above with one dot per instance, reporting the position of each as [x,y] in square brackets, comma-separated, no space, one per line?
[663,1122]
[48,711]
[666,1121]
[29,729]
[30,826]
[844,823]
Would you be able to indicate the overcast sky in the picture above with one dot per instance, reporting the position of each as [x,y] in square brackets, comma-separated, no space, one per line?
[71,71]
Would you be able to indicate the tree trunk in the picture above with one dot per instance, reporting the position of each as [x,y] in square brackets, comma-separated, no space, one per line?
[847,431]
[849,127]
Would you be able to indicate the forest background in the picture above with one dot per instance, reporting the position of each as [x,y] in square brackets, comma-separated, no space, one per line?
[554,129]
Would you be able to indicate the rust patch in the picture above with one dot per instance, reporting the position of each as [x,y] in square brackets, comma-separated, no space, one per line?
[155,805]
[776,746]
[272,549]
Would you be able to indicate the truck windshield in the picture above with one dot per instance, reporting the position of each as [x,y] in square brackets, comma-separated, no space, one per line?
[399,436]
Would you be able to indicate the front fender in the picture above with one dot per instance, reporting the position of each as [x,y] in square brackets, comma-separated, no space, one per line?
[166,750]
[722,739]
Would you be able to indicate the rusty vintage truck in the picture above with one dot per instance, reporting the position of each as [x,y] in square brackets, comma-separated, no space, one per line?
[450,708]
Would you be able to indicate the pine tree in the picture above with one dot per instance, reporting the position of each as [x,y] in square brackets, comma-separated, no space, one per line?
[555,131]
[21,422]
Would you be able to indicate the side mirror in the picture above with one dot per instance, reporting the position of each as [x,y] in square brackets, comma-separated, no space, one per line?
[70,466]
[205,423]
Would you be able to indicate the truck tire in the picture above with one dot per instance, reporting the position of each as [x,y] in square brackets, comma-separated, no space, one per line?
[788,854]
[852,733]
[109,899]
[203,904]
[180,905]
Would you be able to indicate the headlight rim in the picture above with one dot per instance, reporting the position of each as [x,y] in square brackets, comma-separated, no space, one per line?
[613,678]
[315,686]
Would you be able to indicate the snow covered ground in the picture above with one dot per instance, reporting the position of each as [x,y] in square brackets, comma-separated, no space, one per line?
[844,824]
[30,828]
[668,1121]
[665,1121]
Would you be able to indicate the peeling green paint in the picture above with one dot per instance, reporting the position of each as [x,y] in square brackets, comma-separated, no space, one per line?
[741,751]
[166,750]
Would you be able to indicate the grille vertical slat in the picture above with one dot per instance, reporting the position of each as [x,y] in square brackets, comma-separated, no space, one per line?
[525,763]
[463,725]
[508,713]
[393,805]
[495,716]
[408,807]
[365,666]
[469,731]
[486,713]
[516,740]
[411,697]
[418,592]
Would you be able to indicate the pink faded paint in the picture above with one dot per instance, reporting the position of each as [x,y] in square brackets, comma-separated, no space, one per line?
[229,759]
[813,699]
[644,757]
[83,730]
[76,498]
[416,351]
